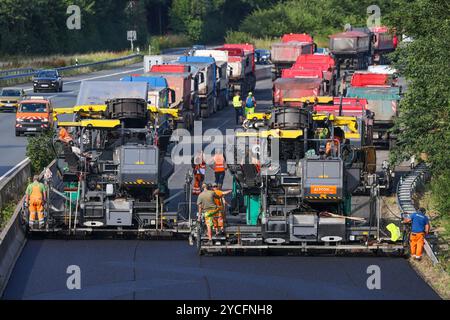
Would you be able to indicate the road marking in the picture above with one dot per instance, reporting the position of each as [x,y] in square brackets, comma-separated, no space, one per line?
[12,170]
[97,77]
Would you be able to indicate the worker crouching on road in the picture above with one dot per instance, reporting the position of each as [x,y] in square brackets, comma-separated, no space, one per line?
[199,172]
[34,200]
[237,104]
[220,203]
[219,166]
[420,227]
[207,207]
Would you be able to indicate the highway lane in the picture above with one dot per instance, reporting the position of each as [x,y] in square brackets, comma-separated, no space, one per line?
[12,148]
[132,269]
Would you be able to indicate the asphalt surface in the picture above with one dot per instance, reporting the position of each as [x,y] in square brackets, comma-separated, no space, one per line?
[132,269]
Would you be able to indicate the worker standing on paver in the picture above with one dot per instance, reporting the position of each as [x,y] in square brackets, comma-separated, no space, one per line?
[64,136]
[250,104]
[220,203]
[208,208]
[219,166]
[420,227]
[237,104]
[199,172]
[34,200]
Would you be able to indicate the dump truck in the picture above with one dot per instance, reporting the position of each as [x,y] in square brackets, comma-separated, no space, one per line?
[352,50]
[292,191]
[287,90]
[180,79]
[285,53]
[204,69]
[383,102]
[383,42]
[241,62]
[112,177]
[222,82]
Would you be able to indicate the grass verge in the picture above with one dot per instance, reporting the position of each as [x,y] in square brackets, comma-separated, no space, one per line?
[159,43]
[437,276]
[6,213]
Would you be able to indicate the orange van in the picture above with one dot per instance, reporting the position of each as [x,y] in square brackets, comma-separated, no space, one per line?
[34,115]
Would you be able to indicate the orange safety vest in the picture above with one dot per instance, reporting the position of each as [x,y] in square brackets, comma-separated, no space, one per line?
[219,163]
[64,135]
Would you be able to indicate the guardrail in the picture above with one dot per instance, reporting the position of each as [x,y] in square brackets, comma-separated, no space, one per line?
[16,71]
[406,188]
[32,72]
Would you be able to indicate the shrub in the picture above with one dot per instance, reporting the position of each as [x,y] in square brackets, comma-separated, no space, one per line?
[40,151]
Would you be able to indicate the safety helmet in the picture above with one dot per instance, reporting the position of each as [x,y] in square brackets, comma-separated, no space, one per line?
[250,94]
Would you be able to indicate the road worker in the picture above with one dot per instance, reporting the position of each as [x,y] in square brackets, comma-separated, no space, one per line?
[207,207]
[34,200]
[237,104]
[331,150]
[420,227]
[250,104]
[220,203]
[64,136]
[199,172]
[219,166]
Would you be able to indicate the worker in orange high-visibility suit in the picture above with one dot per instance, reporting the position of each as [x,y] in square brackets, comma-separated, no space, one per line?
[199,171]
[64,136]
[420,227]
[220,202]
[35,199]
[219,166]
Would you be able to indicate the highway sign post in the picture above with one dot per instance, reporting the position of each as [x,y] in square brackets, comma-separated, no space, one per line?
[132,36]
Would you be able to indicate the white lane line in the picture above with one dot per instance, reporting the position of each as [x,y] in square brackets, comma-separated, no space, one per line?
[97,77]
[12,170]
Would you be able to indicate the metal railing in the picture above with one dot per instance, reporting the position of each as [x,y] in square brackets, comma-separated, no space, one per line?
[29,72]
[406,189]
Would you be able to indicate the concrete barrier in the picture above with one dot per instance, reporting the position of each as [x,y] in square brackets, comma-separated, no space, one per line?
[13,237]
[12,241]
[13,183]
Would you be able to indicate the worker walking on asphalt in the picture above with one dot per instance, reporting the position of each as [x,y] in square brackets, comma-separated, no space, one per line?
[250,104]
[220,203]
[219,165]
[199,171]
[238,104]
[420,227]
[207,207]
[35,199]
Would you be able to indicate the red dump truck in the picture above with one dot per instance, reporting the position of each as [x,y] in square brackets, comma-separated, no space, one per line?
[383,42]
[321,64]
[180,80]
[285,53]
[286,89]
[241,61]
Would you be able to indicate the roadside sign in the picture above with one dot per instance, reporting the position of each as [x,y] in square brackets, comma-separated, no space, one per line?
[131,35]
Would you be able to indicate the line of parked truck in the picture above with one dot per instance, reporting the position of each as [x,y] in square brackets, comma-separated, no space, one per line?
[351,70]
[200,84]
